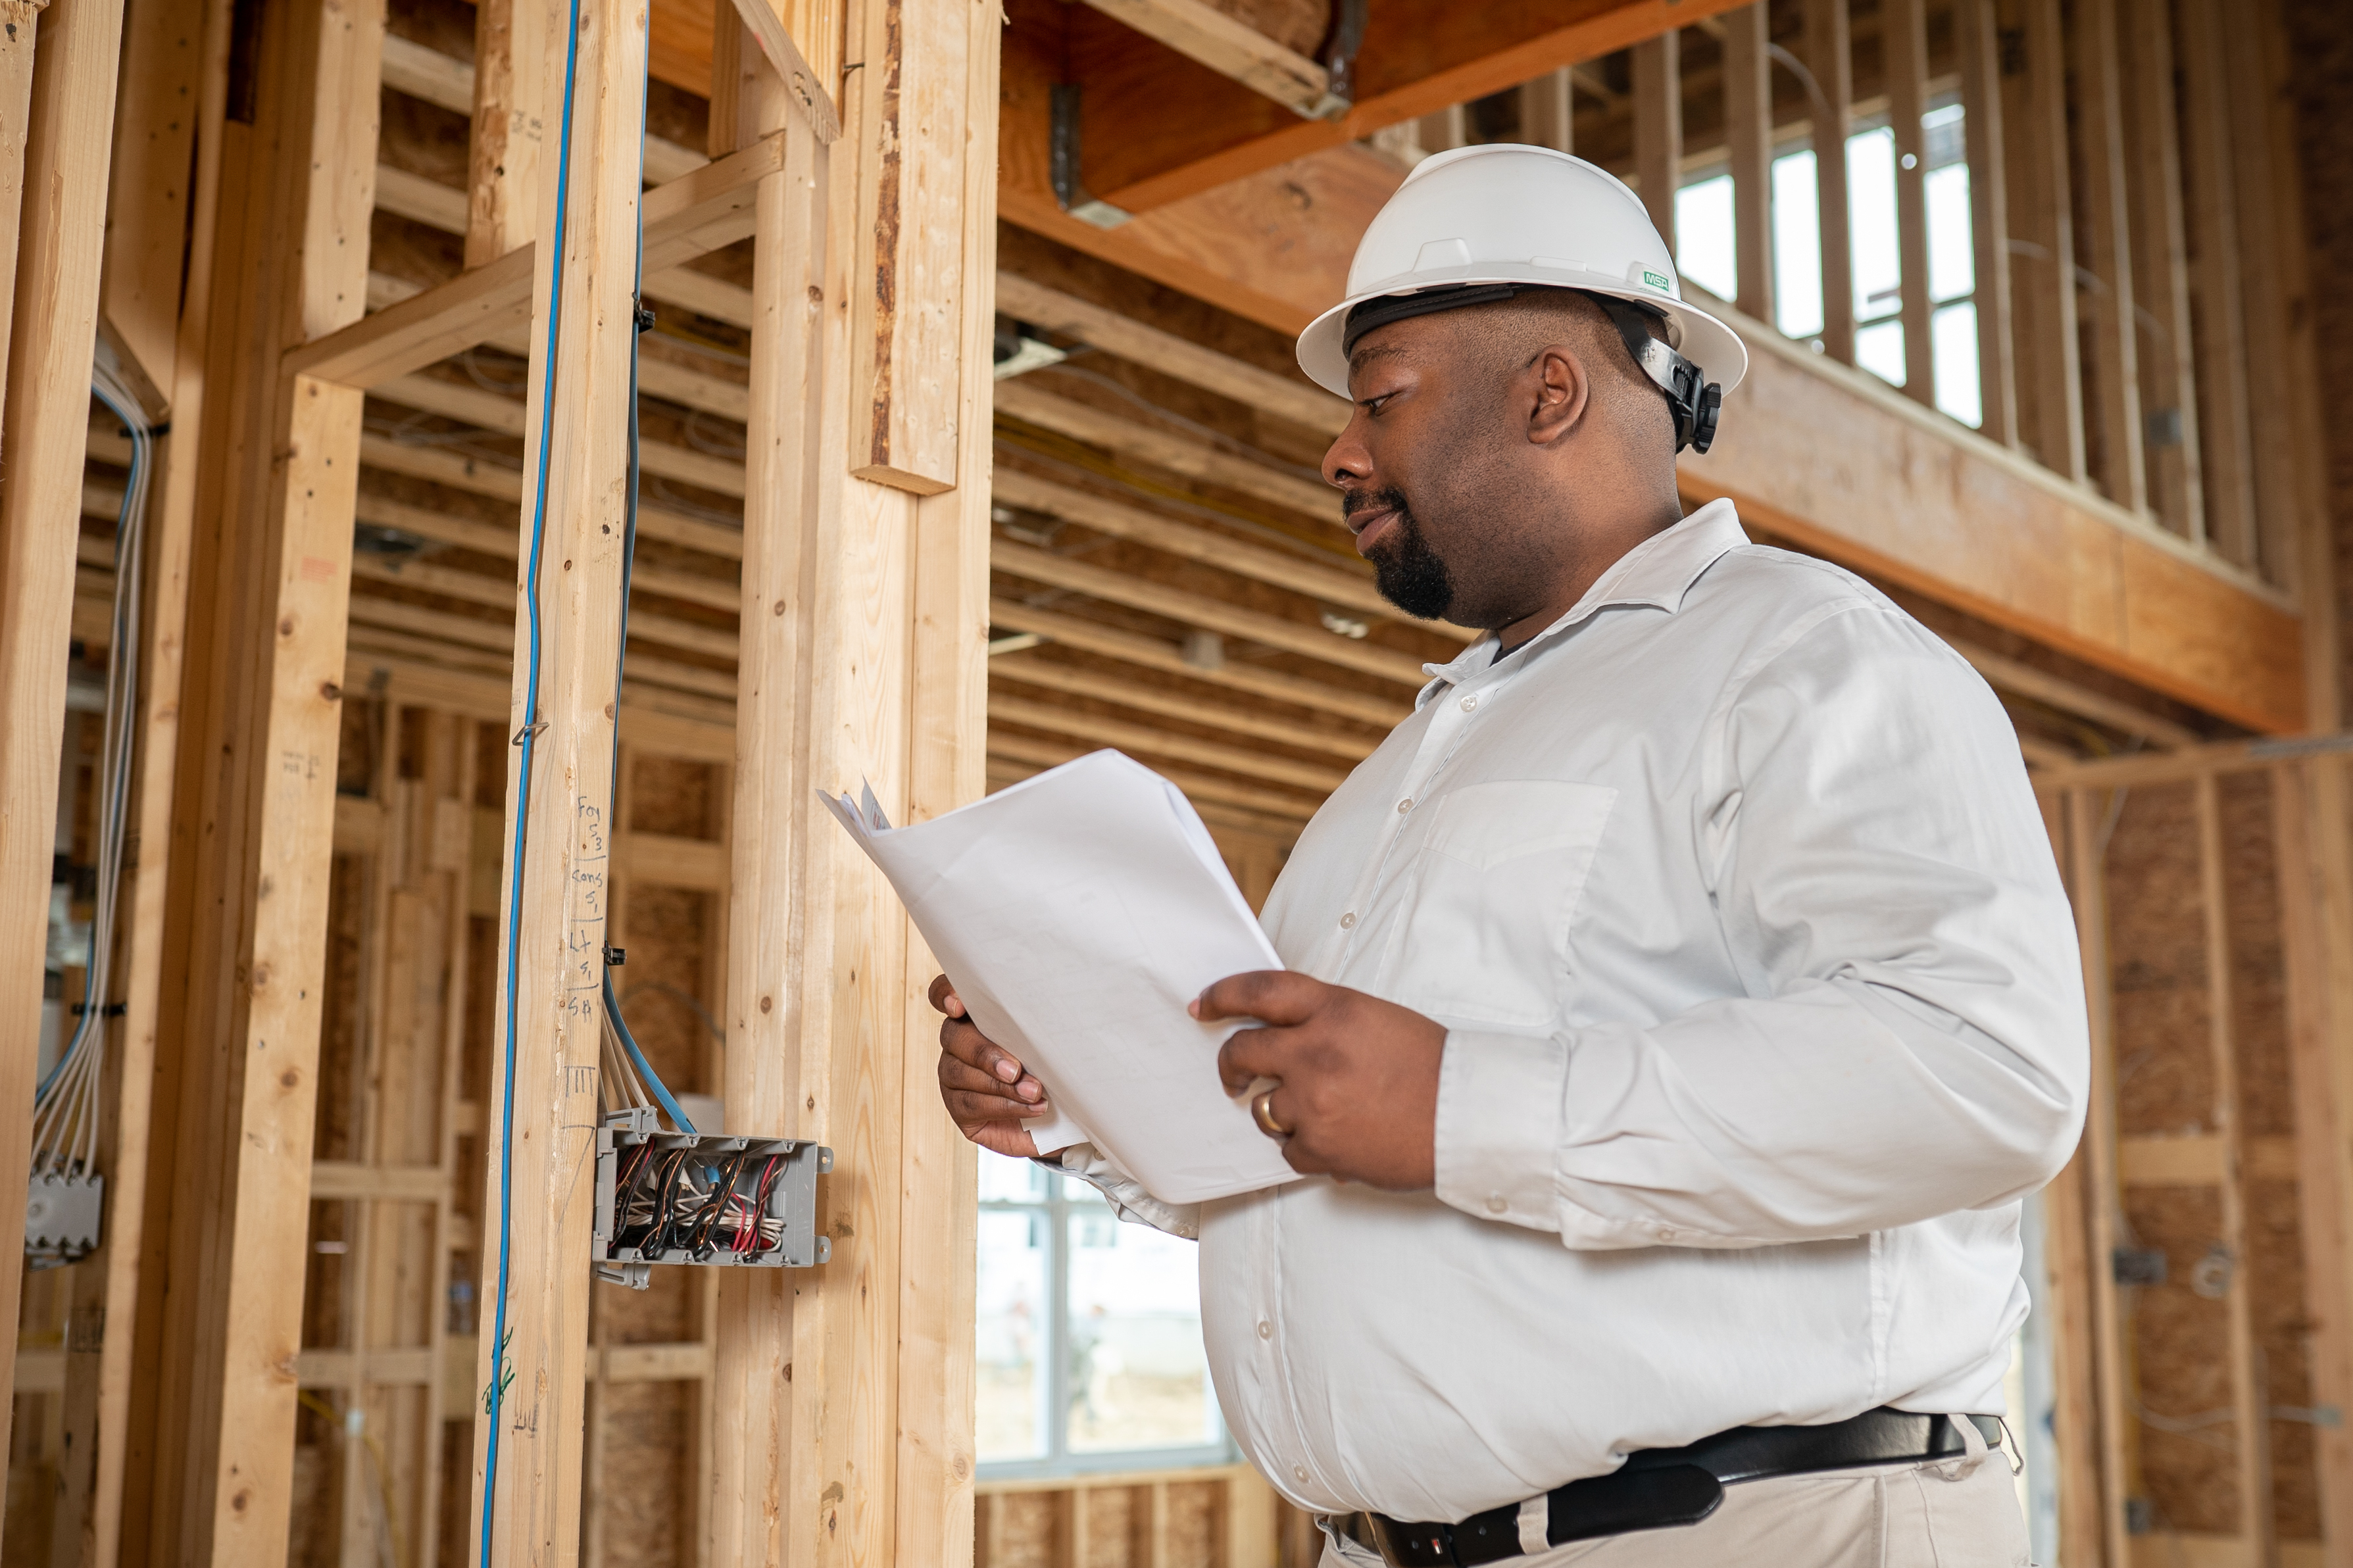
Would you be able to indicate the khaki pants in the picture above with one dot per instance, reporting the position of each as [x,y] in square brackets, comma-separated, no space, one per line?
[1960,1512]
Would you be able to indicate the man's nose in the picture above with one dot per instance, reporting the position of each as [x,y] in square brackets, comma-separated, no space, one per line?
[1346,464]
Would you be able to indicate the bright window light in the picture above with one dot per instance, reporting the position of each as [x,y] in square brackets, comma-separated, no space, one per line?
[1796,246]
[1706,251]
[1955,333]
[1952,264]
[1871,215]
[1879,348]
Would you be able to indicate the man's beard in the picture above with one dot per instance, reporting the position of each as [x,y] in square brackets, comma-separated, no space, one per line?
[1407,572]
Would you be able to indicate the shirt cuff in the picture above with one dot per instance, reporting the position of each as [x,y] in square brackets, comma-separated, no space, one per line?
[1125,1194]
[1499,1109]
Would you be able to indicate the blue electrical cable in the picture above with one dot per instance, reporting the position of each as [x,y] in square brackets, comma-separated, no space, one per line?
[494,1396]
[620,659]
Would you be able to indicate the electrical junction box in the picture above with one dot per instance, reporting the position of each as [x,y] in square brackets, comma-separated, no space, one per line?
[700,1198]
[61,1214]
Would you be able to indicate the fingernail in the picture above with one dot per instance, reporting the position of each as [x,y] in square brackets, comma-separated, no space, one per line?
[1006,1070]
[1031,1092]
[1193,1006]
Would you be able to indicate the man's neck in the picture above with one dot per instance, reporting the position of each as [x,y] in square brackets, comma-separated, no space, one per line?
[1511,638]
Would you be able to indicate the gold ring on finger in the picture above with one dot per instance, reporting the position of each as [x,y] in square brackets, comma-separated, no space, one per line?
[1262,1112]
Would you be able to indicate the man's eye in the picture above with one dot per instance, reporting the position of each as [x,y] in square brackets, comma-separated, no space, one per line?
[1373,405]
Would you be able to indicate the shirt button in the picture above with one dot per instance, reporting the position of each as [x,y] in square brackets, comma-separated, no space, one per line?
[1666,1233]
[1348,921]
[1404,807]
[1265,1330]
[1495,1204]
[1298,1472]
[1470,702]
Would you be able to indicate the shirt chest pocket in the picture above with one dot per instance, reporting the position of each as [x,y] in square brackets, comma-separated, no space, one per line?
[1489,895]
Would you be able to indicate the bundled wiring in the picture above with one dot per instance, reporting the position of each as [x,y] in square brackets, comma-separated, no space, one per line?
[66,1106]
[678,1199]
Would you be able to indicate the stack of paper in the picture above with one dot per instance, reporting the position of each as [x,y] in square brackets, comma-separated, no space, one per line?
[1077,912]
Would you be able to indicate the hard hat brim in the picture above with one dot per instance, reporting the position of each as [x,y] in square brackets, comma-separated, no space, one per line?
[1699,337]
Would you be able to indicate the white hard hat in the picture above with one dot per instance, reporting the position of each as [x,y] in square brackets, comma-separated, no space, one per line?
[1503,213]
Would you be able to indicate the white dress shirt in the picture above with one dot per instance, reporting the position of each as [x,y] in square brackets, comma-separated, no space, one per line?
[1762,1013]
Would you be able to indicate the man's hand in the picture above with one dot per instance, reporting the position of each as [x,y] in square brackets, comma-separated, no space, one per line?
[1359,1075]
[984,1087]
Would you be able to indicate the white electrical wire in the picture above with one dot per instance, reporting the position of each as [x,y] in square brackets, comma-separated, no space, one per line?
[66,1109]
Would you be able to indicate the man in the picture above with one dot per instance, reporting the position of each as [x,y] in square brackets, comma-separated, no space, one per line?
[1680,1002]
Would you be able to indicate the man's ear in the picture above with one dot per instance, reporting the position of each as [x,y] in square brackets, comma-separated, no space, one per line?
[1561,393]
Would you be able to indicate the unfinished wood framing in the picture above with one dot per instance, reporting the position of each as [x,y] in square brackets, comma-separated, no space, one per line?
[1748,139]
[1140,536]
[2210,890]
[1658,129]
[2168,357]
[44,368]
[543,1102]
[1829,55]
[2113,412]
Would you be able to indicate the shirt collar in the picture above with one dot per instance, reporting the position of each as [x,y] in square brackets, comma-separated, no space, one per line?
[1658,572]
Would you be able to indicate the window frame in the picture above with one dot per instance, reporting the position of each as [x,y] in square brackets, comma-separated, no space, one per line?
[1056,1208]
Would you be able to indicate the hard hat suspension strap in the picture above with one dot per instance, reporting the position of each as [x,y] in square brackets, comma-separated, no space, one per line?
[1694,400]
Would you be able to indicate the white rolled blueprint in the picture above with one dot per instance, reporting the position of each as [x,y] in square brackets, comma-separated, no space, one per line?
[1077,912]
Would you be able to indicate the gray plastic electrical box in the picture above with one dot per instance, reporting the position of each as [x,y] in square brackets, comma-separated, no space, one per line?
[655,1191]
[61,1215]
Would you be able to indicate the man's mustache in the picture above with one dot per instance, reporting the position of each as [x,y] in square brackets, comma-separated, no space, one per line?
[1387,500]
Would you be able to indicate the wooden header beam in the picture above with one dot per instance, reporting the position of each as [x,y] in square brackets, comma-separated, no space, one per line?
[1156,126]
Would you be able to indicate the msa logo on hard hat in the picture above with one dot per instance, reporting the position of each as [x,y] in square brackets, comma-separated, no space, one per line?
[1657,280]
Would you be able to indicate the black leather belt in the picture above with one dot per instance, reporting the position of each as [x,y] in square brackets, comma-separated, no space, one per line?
[1656,1488]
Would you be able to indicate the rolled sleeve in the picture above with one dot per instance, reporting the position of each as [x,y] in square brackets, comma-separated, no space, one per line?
[1499,1104]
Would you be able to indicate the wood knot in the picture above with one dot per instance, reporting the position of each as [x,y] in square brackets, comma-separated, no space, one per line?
[331,692]
[767,1003]
[286,627]
[260,976]
[288,1078]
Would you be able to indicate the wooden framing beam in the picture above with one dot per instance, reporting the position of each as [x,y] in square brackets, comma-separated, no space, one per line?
[555,899]
[1829,54]
[1025,400]
[2226,429]
[1214,615]
[2106,252]
[68,130]
[785,494]
[1232,49]
[690,216]
[1141,152]
[1976,38]
[2167,354]
[1659,128]
[1151,653]
[1548,110]
[907,329]
[1910,499]
[1106,730]
[1749,136]
[1904,53]
[1084,680]
[1285,397]
[1199,787]
[1334,582]
[165,72]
